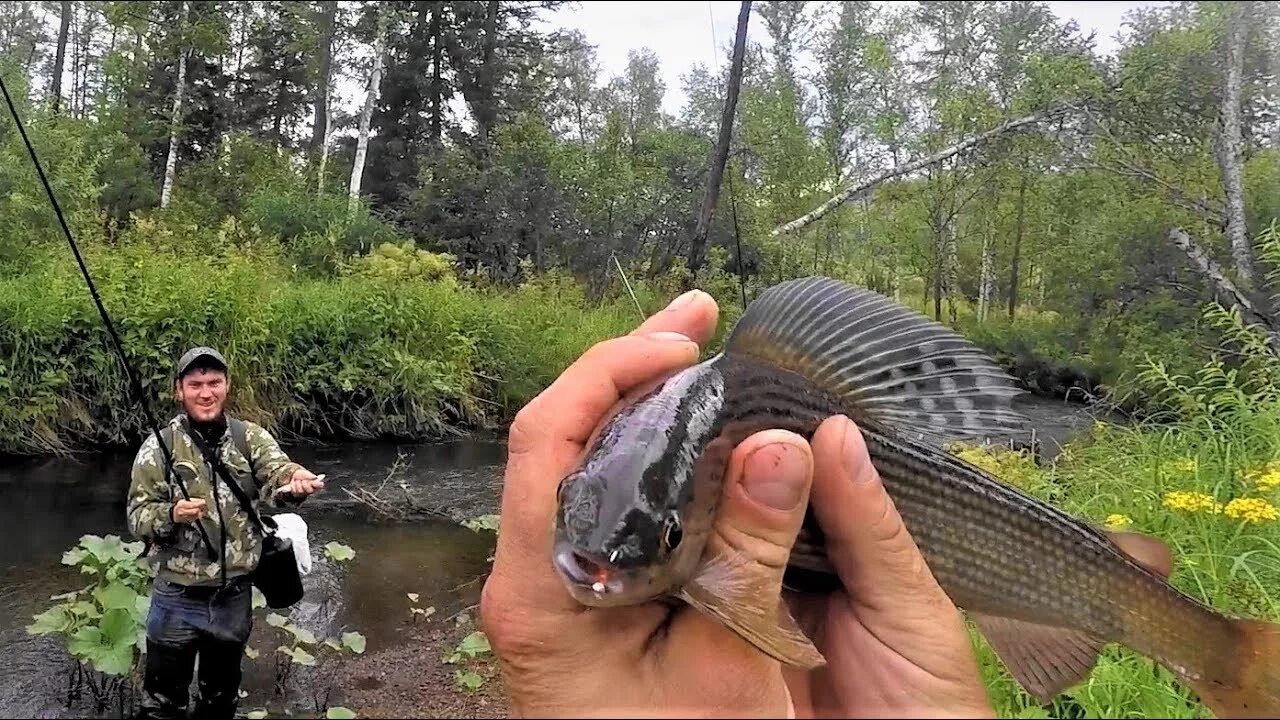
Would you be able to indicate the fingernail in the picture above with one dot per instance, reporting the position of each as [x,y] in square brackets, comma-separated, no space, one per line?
[669,335]
[681,301]
[775,476]
[853,453]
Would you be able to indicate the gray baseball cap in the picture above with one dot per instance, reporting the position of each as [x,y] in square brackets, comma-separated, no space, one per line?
[198,353]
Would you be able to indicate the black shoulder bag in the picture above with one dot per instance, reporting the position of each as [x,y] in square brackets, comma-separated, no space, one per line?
[277,572]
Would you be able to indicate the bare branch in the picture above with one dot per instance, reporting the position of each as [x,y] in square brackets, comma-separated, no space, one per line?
[853,190]
[1224,287]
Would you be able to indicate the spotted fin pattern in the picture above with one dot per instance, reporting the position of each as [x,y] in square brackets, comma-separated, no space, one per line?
[901,369]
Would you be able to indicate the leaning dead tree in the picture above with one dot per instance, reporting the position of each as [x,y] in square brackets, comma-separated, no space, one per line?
[857,188]
[1227,289]
[697,248]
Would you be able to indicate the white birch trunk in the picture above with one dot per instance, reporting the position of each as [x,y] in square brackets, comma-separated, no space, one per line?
[171,164]
[362,141]
[1231,144]
[987,284]
[951,264]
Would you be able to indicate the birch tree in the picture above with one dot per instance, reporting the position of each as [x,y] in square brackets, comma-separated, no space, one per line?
[362,139]
[175,118]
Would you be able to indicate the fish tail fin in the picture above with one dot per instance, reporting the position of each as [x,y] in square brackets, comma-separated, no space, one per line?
[1248,682]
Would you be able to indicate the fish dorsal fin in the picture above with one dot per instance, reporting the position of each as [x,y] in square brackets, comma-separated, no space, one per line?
[1043,660]
[887,361]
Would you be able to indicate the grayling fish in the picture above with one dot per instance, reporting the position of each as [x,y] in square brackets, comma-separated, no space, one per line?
[1047,590]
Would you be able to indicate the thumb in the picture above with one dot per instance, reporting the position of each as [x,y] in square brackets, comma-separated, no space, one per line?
[765,495]
[877,559]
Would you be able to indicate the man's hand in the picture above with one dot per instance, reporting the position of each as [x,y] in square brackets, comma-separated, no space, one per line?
[303,483]
[187,511]
[559,658]
[895,644]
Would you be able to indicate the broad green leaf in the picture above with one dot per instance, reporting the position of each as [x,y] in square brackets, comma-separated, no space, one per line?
[468,679]
[116,660]
[85,642]
[330,642]
[256,714]
[74,556]
[85,609]
[339,552]
[118,627]
[53,620]
[250,653]
[339,712]
[277,620]
[354,640]
[474,644]
[259,600]
[116,595]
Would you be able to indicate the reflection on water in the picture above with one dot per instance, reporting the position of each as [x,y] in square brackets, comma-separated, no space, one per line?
[46,505]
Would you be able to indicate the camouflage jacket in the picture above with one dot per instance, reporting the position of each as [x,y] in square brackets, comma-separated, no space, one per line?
[178,553]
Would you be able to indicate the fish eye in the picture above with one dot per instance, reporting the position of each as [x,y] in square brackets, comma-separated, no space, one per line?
[672,534]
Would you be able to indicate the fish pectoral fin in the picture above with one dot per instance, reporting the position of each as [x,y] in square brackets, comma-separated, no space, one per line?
[730,592]
[1145,550]
[1044,660]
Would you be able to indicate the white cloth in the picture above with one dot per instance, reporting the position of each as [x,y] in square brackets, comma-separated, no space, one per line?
[292,526]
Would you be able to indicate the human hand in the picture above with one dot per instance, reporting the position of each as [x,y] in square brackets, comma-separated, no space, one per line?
[894,642]
[187,511]
[302,483]
[560,658]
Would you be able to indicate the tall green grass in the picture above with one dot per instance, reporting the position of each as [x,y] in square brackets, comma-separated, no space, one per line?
[359,355]
[1203,475]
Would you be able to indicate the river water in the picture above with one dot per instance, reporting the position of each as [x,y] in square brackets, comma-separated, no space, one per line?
[47,504]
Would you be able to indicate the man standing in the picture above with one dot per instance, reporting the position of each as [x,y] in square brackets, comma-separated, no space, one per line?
[201,601]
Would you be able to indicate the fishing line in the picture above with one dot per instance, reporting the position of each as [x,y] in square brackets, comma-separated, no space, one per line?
[134,385]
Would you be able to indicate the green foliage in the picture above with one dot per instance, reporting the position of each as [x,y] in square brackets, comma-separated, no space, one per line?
[102,624]
[1204,480]
[356,356]
[474,645]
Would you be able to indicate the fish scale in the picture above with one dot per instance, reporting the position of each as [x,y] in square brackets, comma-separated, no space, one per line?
[1047,590]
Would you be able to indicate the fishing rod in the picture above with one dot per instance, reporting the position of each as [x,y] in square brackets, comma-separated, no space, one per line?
[134,385]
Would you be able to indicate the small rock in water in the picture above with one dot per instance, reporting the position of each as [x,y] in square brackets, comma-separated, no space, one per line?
[598,586]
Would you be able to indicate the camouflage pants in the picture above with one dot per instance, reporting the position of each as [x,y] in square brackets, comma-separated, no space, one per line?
[184,623]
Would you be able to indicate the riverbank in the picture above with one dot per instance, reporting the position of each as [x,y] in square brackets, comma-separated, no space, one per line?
[390,347]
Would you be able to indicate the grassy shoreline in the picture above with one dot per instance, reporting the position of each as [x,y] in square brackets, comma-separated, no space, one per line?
[393,348]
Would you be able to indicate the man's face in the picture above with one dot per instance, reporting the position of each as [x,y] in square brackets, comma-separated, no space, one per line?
[203,392]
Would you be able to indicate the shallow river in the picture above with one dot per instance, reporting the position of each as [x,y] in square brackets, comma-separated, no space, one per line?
[46,505]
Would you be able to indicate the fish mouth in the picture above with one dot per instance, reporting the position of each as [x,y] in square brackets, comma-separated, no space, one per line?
[594,581]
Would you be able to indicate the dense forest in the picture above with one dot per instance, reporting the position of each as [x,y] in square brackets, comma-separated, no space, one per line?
[425,256]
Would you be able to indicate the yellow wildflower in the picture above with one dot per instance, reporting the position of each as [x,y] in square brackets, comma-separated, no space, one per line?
[1266,478]
[1192,501]
[1115,521]
[1254,510]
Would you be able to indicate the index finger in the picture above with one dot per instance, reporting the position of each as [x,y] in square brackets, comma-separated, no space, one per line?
[549,434]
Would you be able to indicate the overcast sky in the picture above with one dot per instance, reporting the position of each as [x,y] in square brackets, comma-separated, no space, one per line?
[681,32]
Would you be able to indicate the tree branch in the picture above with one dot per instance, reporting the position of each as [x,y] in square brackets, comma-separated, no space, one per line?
[910,167]
[1224,287]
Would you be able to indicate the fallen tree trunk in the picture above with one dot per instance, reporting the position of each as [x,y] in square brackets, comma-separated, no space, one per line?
[1225,288]
[849,192]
